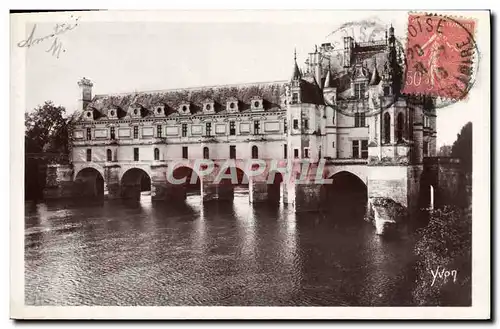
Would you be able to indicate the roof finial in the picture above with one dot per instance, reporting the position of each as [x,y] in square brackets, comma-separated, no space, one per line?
[295,54]
[315,48]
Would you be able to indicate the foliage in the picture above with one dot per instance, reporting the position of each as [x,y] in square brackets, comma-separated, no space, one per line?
[462,147]
[444,151]
[46,129]
[444,242]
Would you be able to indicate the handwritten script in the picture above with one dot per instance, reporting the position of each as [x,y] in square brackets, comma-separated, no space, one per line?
[56,45]
[444,274]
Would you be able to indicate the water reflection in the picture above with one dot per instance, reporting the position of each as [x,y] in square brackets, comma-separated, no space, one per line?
[232,253]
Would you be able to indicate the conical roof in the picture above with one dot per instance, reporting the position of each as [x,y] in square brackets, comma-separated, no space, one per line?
[375,79]
[328,80]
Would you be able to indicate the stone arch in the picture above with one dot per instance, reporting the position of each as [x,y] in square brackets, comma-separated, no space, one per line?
[192,180]
[134,181]
[92,165]
[347,194]
[89,183]
[359,171]
[145,168]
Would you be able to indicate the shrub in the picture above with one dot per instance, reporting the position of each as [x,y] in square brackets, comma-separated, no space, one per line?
[444,245]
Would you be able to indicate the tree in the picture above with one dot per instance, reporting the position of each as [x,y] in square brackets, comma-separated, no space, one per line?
[46,129]
[462,147]
[444,151]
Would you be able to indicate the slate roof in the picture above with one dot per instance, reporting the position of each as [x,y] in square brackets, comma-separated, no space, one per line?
[270,92]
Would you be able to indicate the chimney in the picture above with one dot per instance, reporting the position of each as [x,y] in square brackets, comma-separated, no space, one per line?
[86,93]
[317,66]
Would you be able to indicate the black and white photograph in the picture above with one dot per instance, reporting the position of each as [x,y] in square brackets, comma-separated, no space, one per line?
[318,163]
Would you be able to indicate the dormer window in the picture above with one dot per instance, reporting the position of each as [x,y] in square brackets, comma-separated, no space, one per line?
[113,113]
[135,110]
[89,114]
[359,90]
[208,106]
[159,110]
[185,108]
[256,104]
[232,105]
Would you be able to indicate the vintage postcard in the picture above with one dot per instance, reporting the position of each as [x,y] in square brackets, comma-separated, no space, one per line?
[250,165]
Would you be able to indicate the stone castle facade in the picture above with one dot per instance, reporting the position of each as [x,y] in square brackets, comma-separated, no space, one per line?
[344,108]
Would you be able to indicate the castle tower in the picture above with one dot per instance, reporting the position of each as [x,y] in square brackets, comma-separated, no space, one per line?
[86,93]
[330,142]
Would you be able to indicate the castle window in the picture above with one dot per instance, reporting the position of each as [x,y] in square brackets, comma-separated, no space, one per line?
[295,124]
[112,132]
[285,151]
[295,98]
[184,129]
[296,153]
[159,131]
[387,91]
[206,153]
[158,110]
[112,113]
[136,154]
[232,152]
[359,90]
[135,111]
[426,148]
[285,126]
[156,154]
[306,124]
[387,128]
[256,104]
[333,144]
[355,149]
[359,120]
[256,127]
[136,132]
[306,152]
[208,128]
[184,152]
[208,107]
[232,105]
[109,155]
[364,149]
[400,127]
[89,155]
[232,128]
[89,134]
[255,152]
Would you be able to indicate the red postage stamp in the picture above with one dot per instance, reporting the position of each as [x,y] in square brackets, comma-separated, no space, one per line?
[440,54]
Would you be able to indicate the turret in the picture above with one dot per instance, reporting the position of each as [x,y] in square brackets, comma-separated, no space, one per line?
[295,83]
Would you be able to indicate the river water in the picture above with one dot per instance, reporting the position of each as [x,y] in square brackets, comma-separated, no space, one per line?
[116,253]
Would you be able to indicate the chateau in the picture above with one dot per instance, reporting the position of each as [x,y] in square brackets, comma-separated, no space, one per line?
[344,108]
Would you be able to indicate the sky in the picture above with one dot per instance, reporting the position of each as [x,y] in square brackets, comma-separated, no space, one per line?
[188,51]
